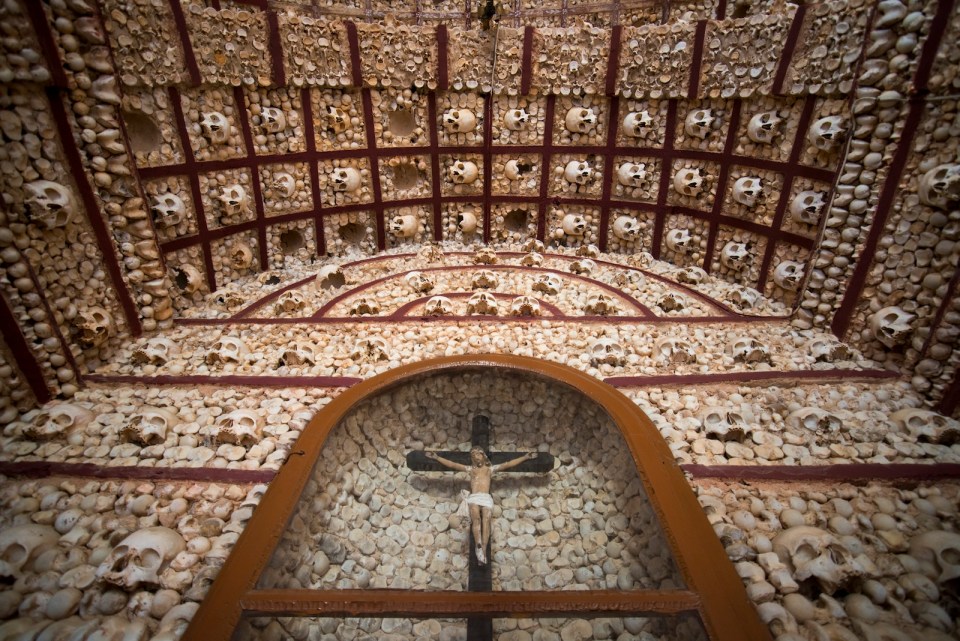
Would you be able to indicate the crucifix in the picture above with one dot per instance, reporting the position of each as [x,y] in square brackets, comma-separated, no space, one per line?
[481,464]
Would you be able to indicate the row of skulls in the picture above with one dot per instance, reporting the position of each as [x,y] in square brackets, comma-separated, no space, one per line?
[216,127]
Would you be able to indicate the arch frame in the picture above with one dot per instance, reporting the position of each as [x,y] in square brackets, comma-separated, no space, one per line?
[714,591]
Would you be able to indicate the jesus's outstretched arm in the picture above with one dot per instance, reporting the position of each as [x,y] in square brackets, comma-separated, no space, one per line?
[446,462]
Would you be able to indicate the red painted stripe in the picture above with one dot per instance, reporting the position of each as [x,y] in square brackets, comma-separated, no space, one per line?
[89,470]
[526,65]
[951,397]
[308,131]
[24,358]
[546,172]
[276,49]
[945,304]
[694,86]
[666,172]
[822,375]
[269,298]
[487,164]
[243,117]
[48,46]
[228,380]
[355,63]
[928,55]
[434,150]
[377,205]
[504,297]
[844,472]
[609,159]
[443,82]
[613,64]
[721,191]
[188,55]
[789,48]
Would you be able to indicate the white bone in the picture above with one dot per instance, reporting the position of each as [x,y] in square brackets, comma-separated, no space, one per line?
[516,119]
[607,351]
[215,127]
[601,305]
[788,275]
[459,121]
[578,172]
[330,277]
[632,174]
[149,426]
[240,255]
[20,545]
[227,349]
[816,554]
[688,181]
[725,424]
[525,306]
[675,350]
[699,123]
[940,187]
[235,200]
[273,120]
[747,190]
[55,421]
[580,120]
[464,172]
[50,202]
[156,351]
[891,325]
[671,302]
[749,350]
[485,279]
[364,307]
[284,184]
[404,226]
[548,284]
[141,557]
[636,123]
[679,241]
[764,127]
[239,427]
[289,302]
[337,120]
[419,282]
[926,426]
[807,207]
[438,306]
[532,259]
[627,228]
[574,225]
[482,303]
[467,222]
[939,551]
[583,266]
[826,133]
[735,256]
[346,179]
[169,210]
[299,354]
[96,326]
[690,275]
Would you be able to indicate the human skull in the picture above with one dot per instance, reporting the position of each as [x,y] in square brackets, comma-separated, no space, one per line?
[578,172]
[241,256]
[330,277]
[636,123]
[141,557]
[927,427]
[525,306]
[580,120]
[607,351]
[289,302]
[940,187]
[826,133]
[631,174]
[365,307]
[234,199]
[273,120]
[675,350]
[744,298]
[764,127]
[419,282]
[939,554]
[735,256]
[485,256]
[55,421]
[516,119]
[512,169]
[464,172]
[188,278]
[51,203]
[807,206]
[404,226]
[600,305]
[671,302]
[459,121]
[788,275]
[747,190]
[532,259]
[690,275]
[630,279]
[230,300]
[298,354]
[149,426]
[583,266]
[627,228]
[370,350]
[891,325]
[724,424]
[548,284]
[168,210]
[814,419]
[284,184]
[345,179]
[534,245]
[430,253]
[156,351]
[574,225]
[588,251]
[215,127]
[482,303]
[688,181]
[438,306]
[679,241]
[96,326]
[337,120]
[699,123]
[485,279]
[227,349]
[239,427]
[812,553]
[828,350]
[749,350]
[467,222]
[20,545]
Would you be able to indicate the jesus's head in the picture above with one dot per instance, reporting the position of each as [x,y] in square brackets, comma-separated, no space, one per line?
[478,458]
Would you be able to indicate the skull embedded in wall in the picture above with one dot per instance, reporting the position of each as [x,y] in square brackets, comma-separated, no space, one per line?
[299,354]
[679,241]
[364,307]
[404,226]
[735,256]
[467,222]
[156,351]
[574,225]
[188,278]
[815,554]
[588,251]
[55,421]
[743,298]
[149,426]
[485,256]
[534,245]
[725,424]
[485,279]
[49,202]
[578,172]
[289,302]
[938,552]
[580,120]
[525,306]
[438,306]
[227,349]
[482,303]
[607,351]
[747,190]
[95,326]
[239,427]
[675,350]
[688,181]
[370,350]
[699,123]
[690,275]
[419,282]
[891,325]
[168,210]
[141,557]
[459,121]
[430,253]
[671,302]
[516,119]
[636,123]
[273,120]
[230,300]
[20,545]
[240,255]
[816,420]
[600,305]
[346,179]
[927,427]
[234,199]
[627,228]
[337,120]
[284,184]
[631,174]
[788,275]
[828,350]
[629,279]
[330,277]
[215,126]
[807,206]
[826,133]
[533,259]
[749,350]
[584,266]
[548,284]
[464,172]
[764,127]
[940,187]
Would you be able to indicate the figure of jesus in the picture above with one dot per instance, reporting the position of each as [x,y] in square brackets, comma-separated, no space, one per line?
[479,500]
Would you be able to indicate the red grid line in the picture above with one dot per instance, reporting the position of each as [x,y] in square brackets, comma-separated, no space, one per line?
[666,171]
[579,320]
[355,64]
[32,469]
[308,131]
[951,396]
[272,296]
[697,62]
[613,62]
[789,48]
[722,186]
[105,243]
[945,304]
[48,46]
[434,148]
[186,46]
[55,326]
[843,472]
[928,55]
[487,164]
[378,207]
[609,174]
[403,310]
[442,79]
[243,116]
[526,66]
[230,380]
[750,376]
[24,358]
[546,175]
[721,9]
[276,49]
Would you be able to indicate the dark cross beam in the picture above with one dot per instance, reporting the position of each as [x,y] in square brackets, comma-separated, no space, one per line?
[480,578]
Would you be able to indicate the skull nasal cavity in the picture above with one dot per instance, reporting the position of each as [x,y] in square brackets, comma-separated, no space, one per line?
[406,176]
[401,122]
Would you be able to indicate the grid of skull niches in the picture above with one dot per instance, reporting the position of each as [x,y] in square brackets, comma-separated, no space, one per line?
[253,175]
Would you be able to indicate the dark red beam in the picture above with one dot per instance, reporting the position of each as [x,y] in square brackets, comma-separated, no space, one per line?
[139,472]
[721,190]
[843,473]
[786,55]
[819,375]
[48,46]
[25,360]
[188,54]
[666,172]
[228,380]
[243,117]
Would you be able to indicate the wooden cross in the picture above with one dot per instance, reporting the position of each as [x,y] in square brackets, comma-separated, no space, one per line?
[480,577]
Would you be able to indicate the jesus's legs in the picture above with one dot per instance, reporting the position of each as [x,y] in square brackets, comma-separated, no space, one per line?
[485,514]
[476,525]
